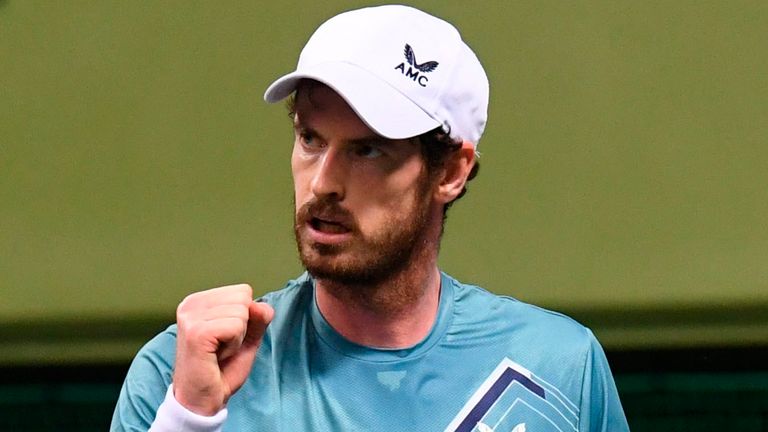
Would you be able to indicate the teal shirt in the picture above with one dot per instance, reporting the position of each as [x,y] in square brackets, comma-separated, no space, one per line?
[489,363]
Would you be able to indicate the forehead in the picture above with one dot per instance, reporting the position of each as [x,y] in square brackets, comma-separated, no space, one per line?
[318,105]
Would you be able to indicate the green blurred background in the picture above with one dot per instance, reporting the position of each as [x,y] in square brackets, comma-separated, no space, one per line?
[623,181]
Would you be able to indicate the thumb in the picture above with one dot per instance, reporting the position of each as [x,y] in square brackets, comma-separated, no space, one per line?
[259,316]
[235,369]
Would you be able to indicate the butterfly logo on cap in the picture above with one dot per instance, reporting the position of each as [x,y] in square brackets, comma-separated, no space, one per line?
[424,67]
[416,71]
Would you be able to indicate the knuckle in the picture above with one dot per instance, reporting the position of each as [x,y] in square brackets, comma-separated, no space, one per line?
[181,314]
[190,301]
[244,288]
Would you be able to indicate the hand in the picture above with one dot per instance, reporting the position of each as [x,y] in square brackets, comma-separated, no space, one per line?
[219,333]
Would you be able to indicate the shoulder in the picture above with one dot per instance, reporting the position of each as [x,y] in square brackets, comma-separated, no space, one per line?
[522,322]
[156,357]
[292,304]
[556,353]
[146,382]
[290,300]
[293,291]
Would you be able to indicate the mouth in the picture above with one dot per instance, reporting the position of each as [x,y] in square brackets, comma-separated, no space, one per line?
[323,222]
[328,226]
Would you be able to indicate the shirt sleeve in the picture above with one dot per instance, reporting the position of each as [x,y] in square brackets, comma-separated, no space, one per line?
[600,409]
[145,385]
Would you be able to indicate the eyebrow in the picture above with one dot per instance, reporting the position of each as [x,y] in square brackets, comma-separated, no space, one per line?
[372,139]
[298,126]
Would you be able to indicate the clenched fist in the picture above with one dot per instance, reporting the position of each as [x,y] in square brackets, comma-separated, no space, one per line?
[219,332]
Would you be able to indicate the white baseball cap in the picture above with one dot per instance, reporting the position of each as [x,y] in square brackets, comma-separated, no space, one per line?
[403,71]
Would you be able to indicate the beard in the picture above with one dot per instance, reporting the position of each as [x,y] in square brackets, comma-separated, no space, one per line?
[366,259]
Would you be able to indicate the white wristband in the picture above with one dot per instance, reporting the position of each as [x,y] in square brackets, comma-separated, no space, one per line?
[173,417]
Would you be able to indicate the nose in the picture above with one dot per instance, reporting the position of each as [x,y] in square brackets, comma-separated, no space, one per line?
[330,174]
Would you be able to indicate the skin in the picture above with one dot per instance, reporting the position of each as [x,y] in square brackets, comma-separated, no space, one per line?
[355,194]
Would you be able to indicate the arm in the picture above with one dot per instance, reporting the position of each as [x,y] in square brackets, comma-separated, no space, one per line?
[601,409]
[218,334]
[145,384]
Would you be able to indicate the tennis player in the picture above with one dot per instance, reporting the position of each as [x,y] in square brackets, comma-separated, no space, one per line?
[388,106]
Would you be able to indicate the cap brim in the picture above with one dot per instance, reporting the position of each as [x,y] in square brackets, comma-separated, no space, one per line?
[383,108]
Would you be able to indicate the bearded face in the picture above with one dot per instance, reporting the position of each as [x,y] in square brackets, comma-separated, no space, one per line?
[362,200]
[361,258]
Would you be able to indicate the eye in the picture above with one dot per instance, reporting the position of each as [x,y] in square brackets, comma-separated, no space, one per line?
[368,151]
[307,138]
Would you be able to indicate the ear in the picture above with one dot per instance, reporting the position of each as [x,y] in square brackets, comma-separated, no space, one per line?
[455,173]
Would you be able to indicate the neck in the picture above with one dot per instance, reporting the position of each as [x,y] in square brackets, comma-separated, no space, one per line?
[395,313]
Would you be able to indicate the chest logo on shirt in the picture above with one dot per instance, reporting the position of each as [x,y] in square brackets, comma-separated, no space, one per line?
[391,379]
[513,397]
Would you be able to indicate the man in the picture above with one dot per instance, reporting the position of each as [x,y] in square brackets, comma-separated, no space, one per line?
[388,105]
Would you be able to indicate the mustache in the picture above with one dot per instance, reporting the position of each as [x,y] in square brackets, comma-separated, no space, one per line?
[326,209]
